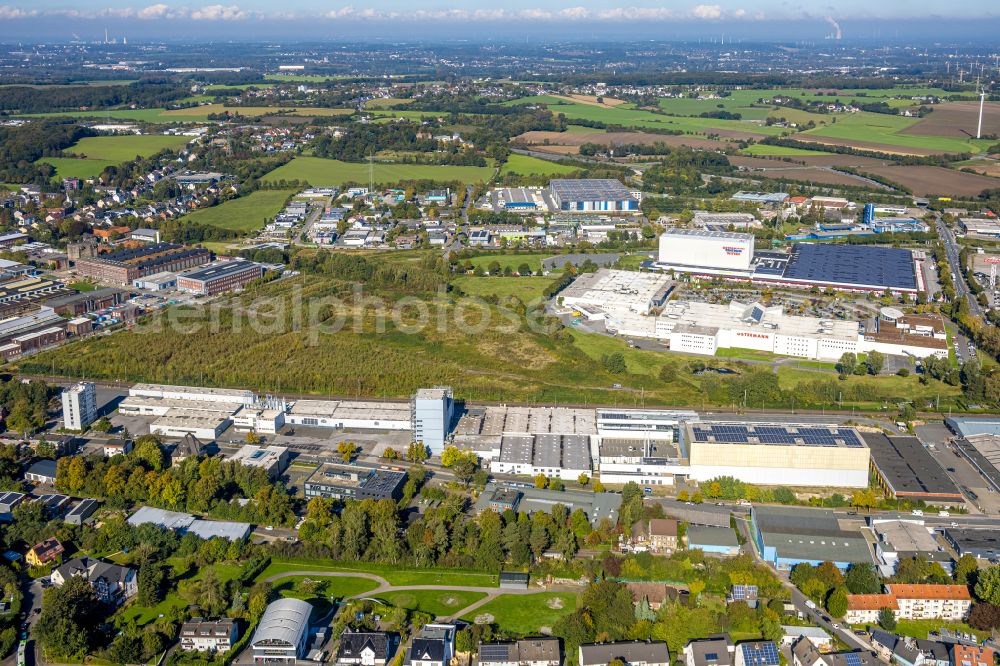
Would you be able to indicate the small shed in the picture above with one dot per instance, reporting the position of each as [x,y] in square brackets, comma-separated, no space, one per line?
[512,580]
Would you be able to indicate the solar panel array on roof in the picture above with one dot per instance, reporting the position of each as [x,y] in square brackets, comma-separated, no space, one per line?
[852,659]
[780,435]
[760,654]
[863,265]
[589,189]
[743,593]
[494,652]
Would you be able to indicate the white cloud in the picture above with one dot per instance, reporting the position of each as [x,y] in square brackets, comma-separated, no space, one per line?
[154,12]
[8,12]
[708,12]
[218,13]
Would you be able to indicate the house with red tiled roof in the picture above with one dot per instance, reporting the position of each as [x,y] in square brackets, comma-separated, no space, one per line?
[864,608]
[911,602]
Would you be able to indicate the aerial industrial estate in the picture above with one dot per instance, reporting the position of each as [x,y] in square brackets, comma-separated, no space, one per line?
[596,352]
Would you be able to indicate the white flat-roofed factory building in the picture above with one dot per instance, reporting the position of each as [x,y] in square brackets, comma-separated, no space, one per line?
[703,328]
[186,410]
[622,299]
[771,454]
[201,393]
[361,415]
[695,250]
[590,195]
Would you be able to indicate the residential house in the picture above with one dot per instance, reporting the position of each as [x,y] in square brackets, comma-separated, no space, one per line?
[971,655]
[926,602]
[805,653]
[523,652]
[655,594]
[656,535]
[199,635]
[117,447]
[113,584]
[434,646]
[631,653]
[865,608]
[715,651]
[44,553]
[816,635]
[189,447]
[365,648]
[757,653]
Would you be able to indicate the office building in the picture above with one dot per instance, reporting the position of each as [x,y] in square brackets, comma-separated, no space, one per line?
[355,482]
[79,406]
[769,454]
[123,267]
[282,632]
[786,536]
[219,277]
[591,195]
[632,653]
[271,459]
[432,410]
[200,635]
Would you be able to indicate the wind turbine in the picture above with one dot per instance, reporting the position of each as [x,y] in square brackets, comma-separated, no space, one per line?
[982,99]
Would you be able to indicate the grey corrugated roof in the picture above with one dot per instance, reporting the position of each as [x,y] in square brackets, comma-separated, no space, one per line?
[285,620]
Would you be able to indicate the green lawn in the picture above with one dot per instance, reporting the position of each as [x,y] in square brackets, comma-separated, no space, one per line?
[247,213]
[82,286]
[512,260]
[330,587]
[525,288]
[69,167]
[395,575]
[921,628]
[526,165]
[146,614]
[120,149]
[435,602]
[323,172]
[527,614]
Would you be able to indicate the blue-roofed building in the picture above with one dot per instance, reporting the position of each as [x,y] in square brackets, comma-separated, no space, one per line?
[713,540]
[786,536]
[859,267]
[966,426]
[761,197]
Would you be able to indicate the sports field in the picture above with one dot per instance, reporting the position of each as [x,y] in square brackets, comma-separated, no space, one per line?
[247,213]
[321,172]
[123,148]
[526,165]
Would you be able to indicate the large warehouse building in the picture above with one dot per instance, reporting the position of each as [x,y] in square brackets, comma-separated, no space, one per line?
[770,454]
[786,536]
[125,266]
[592,195]
[220,277]
[703,328]
[846,267]
[622,299]
[906,470]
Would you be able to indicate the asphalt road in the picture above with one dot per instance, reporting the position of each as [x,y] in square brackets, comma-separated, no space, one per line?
[952,250]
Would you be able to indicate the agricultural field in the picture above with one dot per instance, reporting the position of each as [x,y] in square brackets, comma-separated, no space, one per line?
[70,167]
[525,165]
[763,149]
[124,148]
[548,141]
[883,132]
[323,172]
[958,119]
[386,102]
[246,214]
[527,614]
[193,114]
[818,175]
[528,289]
[932,180]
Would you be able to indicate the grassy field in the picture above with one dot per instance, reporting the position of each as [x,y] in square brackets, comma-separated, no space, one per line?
[69,167]
[886,129]
[124,148]
[395,575]
[527,289]
[511,260]
[247,213]
[435,602]
[526,165]
[765,150]
[322,172]
[335,586]
[526,614]
[82,286]
[145,614]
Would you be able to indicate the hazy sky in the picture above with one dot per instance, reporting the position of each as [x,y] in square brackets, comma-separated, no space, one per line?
[372,18]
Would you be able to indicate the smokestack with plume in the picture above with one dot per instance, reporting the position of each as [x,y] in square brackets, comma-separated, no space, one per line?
[837,34]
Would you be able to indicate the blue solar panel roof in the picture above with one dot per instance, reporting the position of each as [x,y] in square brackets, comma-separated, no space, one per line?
[760,654]
[780,435]
[863,265]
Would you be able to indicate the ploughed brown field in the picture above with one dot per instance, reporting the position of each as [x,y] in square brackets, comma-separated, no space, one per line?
[985,167]
[577,139]
[783,170]
[931,180]
[840,160]
[957,119]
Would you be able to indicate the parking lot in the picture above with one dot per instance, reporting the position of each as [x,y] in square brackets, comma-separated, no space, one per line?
[961,472]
